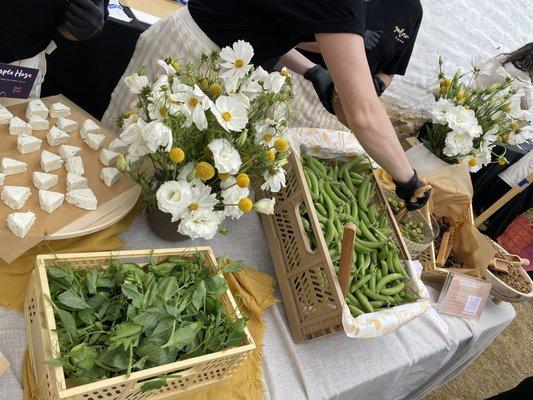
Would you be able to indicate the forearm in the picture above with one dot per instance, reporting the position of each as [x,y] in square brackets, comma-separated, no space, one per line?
[296,62]
[346,60]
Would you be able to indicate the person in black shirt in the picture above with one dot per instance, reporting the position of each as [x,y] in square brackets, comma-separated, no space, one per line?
[27,28]
[276,28]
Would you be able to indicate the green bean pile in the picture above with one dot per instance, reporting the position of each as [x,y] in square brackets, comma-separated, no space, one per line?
[413,230]
[342,193]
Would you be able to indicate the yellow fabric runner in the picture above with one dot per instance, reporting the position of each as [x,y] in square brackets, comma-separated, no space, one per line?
[252,289]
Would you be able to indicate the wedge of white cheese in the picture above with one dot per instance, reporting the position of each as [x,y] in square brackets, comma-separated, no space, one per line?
[20,223]
[75,181]
[5,116]
[2,178]
[67,125]
[110,175]
[37,107]
[119,146]
[50,161]
[38,123]
[59,110]
[82,198]
[28,144]
[44,181]
[94,140]
[88,126]
[108,157]
[56,136]
[18,126]
[74,165]
[15,196]
[67,151]
[50,201]
[11,166]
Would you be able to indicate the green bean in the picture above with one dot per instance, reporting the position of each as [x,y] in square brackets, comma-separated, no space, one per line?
[393,290]
[369,244]
[356,176]
[379,275]
[330,232]
[360,248]
[408,296]
[387,279]
[366,232]
[372,282]
[359,283]
[377,304]
[364,217]
[320,209]
[354,211]
[375,296]
[330,207]
[329,191]
[355,311]
[340,195]
[351,298]
[384,268]
[338,227]
[362,196]
[364,301]
[372,213]
[348,182]
[306,224]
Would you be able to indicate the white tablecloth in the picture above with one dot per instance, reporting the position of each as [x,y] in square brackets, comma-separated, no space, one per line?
[402,365]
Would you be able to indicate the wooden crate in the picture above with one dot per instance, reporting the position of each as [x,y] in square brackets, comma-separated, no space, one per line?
[309,287]
[195,373]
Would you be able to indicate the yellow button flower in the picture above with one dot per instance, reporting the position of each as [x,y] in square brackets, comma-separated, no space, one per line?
[281,144]
[243,180]
[271,155]
[205,171]
[246,205]
[176,155]
[215,89]
[223,176]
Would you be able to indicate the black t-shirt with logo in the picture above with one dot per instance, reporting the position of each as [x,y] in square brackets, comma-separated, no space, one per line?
[274,27]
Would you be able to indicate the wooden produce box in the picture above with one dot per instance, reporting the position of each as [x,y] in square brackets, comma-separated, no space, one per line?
[192,374]
[308,283]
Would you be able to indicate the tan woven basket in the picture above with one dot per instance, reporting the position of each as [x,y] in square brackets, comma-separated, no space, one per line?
[195,373]
[307,280]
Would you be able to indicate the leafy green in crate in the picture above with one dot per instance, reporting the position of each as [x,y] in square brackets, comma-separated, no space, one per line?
[128,318]
[343,192]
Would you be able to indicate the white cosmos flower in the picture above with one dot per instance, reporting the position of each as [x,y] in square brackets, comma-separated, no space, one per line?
[259,74]
[203,223]
[173,197]
[202,198]
[440,110]
[480,65]
[274,182]
[236,59]
[227,158]
[195,103]
[169,69]
[231,194]
[156,134]
[265,132]
[515,107]
[457,143]
[230,112]
[489,137]
[476,161]
[461,119]
[187,174]
[265,206]
[136,83]
[521,136]
[274,82]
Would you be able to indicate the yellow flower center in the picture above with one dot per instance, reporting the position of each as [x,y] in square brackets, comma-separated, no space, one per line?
[243,180]
[271,155]
[193,207]
[193,102]
[505,138]
[128,114]
[502,161]
[245,204]
[267,138]
[281,144]
[238,63]
[459,96]
[175,64]
[513,126]
[284,73]
[472,162]
[507,109]
[215,89]
[223,176]
[163,111]
[205,171]
[176,155]
[226,116]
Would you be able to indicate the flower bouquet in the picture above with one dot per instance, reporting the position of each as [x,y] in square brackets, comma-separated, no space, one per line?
[203,134]
[469,121]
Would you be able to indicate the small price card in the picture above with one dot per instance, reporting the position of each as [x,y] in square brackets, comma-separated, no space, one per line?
[15,81]
[463,296]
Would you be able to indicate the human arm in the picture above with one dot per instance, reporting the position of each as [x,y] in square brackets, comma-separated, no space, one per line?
[344,54]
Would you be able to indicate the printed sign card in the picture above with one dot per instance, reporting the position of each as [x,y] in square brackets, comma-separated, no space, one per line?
[463,296]
[15,81]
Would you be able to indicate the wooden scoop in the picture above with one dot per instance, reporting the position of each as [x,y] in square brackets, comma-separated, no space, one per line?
[445,249]
[500,265]
[345,265]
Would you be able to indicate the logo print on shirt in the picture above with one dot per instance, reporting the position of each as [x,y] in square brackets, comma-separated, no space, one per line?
[400,35]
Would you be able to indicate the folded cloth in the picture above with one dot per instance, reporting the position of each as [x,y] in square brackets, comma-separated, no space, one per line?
[253,291]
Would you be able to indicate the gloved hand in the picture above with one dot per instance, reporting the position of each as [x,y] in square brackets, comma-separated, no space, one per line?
[371,38]
[414,192]
[85,19]
[323,84]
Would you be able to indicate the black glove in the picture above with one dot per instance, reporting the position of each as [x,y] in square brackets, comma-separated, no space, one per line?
[85,19]
[379,85]
[323,84]
[414,192]
[371,38]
